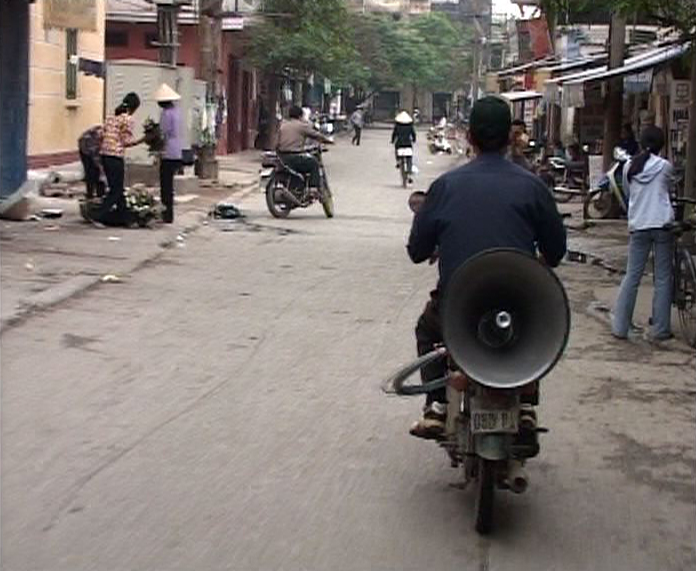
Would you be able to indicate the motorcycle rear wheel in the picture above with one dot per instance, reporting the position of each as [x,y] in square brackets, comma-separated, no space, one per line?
[485,495]
[277,209]
[404,173]
[600,204]
[685,297]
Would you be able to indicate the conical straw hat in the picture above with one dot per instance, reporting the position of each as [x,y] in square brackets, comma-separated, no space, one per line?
[404,118]
[166,93]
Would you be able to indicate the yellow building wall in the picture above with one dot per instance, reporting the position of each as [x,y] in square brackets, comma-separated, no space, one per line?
[55,122]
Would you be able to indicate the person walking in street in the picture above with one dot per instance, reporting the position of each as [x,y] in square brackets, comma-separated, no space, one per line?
[487,203]
[117,137]
[170,160]
[357,119]
[89,145]
[647,180]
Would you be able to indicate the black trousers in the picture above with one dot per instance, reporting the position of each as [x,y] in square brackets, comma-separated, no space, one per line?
[168,168]
[115,170]
[92,176]
[356,135]
[429,334]
[303,163]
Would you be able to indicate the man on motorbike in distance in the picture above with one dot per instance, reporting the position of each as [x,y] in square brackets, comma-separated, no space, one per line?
[487,203]
[292,137]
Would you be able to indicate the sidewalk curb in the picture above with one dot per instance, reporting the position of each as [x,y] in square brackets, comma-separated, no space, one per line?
[78,285]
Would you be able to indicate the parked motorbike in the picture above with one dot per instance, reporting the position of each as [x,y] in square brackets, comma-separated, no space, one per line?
[437,141]
[608,200]
[506,320]
[288,189]
[566,178]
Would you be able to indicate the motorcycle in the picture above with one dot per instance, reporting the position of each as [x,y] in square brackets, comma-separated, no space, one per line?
[566,178]
[506,321]
[404,156]
[288,189]
[608,199]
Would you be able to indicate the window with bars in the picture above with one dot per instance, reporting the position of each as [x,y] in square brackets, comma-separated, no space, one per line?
[71,64]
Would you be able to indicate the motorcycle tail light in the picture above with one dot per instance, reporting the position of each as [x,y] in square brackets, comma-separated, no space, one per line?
[458,381]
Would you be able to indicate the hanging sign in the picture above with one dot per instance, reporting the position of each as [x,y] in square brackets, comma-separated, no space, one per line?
[638,83]
[70,14]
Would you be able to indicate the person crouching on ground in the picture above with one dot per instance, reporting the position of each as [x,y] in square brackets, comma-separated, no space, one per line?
[170,160]
[647,180]
[89,145]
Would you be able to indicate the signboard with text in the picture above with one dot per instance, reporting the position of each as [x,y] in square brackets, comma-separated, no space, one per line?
[70,14]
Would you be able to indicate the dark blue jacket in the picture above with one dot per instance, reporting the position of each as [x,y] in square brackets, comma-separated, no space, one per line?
[487,203]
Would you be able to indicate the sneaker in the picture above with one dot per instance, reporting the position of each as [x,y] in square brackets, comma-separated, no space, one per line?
[432,425]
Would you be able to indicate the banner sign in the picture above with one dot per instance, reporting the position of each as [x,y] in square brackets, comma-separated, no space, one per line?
[72,14]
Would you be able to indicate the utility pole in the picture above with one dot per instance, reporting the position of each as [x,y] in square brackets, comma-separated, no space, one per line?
[168,31]
[209,38]
[614,99]
[690,167]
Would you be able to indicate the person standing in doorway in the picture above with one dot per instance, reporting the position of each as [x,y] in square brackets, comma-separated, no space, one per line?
[117,136]
[357,119]
[647,180]
[170,161]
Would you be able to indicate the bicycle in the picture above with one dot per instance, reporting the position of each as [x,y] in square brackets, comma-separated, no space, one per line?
[684,296]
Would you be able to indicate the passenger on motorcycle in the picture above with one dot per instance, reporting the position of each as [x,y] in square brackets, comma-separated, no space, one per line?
[519,141]
[291,148]
[487,203]
[403,135]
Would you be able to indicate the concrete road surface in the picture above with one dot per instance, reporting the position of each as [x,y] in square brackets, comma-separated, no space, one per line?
[220,409]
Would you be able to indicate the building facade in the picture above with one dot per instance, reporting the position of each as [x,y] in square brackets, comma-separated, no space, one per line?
[63,101]
[131,33]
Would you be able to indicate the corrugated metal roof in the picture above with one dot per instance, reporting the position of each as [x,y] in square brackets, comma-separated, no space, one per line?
[635,64]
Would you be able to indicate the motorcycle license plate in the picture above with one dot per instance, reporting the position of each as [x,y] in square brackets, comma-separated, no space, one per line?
[404,152]
[486,418]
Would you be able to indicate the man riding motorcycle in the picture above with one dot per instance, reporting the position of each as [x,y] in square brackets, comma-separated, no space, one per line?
[291,145]
[487,203]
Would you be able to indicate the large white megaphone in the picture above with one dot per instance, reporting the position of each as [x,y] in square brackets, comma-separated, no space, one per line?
[505,318]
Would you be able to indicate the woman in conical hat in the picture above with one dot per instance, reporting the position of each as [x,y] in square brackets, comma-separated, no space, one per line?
[403,118]
[403,135]
[170,163]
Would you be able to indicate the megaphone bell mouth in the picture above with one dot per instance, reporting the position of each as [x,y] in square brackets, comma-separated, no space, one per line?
[505,318]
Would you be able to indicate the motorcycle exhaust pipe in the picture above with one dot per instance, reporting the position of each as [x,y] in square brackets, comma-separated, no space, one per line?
[290,196]
[517,479]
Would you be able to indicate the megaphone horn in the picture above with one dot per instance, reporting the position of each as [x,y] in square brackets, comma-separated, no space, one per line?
[505,318]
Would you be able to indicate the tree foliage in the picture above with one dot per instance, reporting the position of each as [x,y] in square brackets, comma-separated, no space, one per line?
[301,37]
[426,52]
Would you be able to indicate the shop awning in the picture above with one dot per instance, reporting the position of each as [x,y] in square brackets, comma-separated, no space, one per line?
[514,96]
[575,64]
[633,65]
[526,66]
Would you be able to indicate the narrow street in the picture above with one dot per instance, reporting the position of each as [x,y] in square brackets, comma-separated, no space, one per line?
[221,409]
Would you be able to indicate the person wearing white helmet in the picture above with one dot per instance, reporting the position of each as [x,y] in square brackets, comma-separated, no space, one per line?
[170,160]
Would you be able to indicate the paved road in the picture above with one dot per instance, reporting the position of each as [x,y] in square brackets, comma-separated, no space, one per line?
[221,410]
